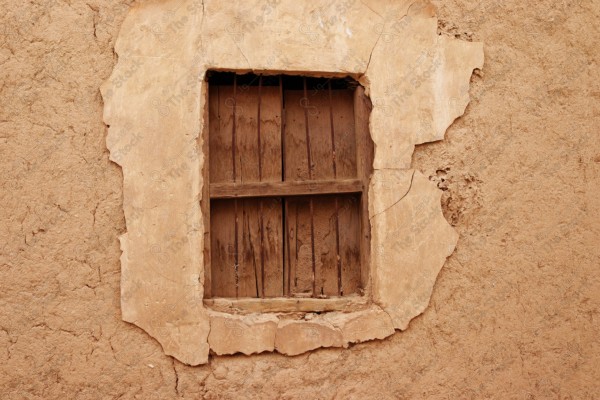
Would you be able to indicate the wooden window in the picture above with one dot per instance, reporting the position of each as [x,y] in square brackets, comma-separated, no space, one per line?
[285,199]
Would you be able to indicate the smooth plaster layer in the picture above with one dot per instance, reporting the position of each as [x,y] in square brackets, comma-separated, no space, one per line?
[155,98]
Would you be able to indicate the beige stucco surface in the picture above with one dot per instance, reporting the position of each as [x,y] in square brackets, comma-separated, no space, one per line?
[162,261]
[513,313]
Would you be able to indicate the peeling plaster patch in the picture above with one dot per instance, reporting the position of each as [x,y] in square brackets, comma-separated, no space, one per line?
[362,326]
[416,82]
[415,77]
[248,334]
[297,337]
[410,242]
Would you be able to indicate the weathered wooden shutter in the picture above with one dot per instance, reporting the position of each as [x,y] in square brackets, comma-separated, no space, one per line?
[286,186]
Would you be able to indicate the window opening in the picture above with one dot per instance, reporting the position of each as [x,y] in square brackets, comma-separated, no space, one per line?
[288,161]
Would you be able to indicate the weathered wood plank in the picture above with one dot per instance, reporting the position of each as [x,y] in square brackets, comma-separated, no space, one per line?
[298,231]
[300,257]
[255,245]
[270,132]
[209,114]
[221,105]
[296,159]
[246,124]
[288,188]
[250,305]
[326,235]
[246,277]
[322,226]
[223,250]
[316,104]
[298,225]
[365,153]
[344,133]
[272,245]
[350,243]
[249,272]
[258,125]
[324,119]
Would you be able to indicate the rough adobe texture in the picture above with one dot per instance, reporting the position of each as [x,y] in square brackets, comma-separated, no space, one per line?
[514,313]
[155,113]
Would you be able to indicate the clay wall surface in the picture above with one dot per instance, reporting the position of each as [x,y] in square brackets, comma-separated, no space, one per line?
[514,311]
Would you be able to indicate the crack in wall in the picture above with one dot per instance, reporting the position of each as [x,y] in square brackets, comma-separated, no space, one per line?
[399,200]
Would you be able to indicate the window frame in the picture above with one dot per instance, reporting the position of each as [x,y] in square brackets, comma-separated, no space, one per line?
[286,189]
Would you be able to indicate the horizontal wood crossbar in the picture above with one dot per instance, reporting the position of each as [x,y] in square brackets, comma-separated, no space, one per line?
[281,189]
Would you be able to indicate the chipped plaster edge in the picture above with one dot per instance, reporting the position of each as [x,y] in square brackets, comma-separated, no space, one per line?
[201,355]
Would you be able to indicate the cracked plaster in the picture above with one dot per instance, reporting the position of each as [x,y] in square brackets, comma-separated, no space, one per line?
[416,80]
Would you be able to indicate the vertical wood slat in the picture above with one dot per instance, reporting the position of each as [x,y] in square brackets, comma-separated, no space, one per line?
[270,125]
[246,149]
[299,248]
[273,247]
[258,126]
[344,140]
[317,106]
[205,200]
[364,154]
[223,253]
[261,208]
[300,254]
[287,281]
[286,261]
[328,212]
[325,237]
[349,214]
[221,150]
[310,176]
[257,267]
[218,143]
[327,129]
[222,249]
[336,215]
[236,265]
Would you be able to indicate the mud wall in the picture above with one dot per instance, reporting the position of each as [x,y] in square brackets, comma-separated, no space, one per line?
[514,313]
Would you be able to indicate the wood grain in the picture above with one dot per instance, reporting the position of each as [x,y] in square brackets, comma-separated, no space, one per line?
[205,199]
[330,119]
[365,154]
[287,171]
[279,189]
[249,256]
[223,249]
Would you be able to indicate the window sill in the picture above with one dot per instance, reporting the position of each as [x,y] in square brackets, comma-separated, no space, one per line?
[286,304]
